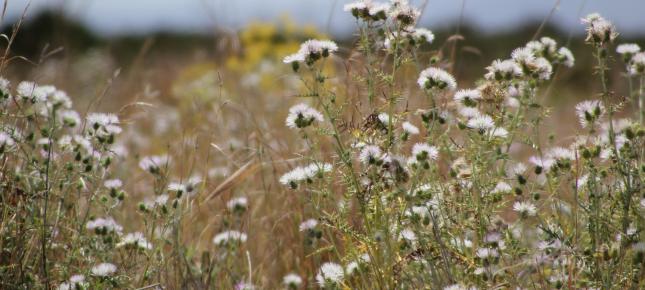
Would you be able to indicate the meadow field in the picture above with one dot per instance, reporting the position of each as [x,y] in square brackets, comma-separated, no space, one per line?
[276,157]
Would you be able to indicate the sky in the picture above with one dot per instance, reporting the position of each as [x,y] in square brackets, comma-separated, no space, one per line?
[114,17]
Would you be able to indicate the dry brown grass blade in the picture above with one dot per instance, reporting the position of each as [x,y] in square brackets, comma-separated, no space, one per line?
[238,176]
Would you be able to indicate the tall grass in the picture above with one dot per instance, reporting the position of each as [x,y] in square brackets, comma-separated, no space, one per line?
[388,173]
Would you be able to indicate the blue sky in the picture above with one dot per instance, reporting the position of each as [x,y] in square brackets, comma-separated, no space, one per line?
[140,16]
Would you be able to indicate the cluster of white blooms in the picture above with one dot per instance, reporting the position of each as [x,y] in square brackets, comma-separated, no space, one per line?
[103,270]
[304,174]
[310,51]
[534,60]
[416,37]
[157,201]
[74,282]
[503,70]
[154,164]
[189,186]
[398,11]
[229,237]
[436,78]
[136,240]
[368,10]
[501,187]
[104,226]
[46,98]
[330,274]
[599,30]
[103,125]
[301,116]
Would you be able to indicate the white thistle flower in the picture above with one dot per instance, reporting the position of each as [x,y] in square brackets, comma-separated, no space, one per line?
[469,112]
[308,225]
[292,280]
[136,239]
[294,176]
[502,187]
[294,58]
[408,236]
[359,9]
[498,132]
[589,112]
[103,270]
[317,169]
[542,68]
[153,164]
[637,65]
[227,237]
[97,120]
[523,55]
[560,153]
[481,122]
[301,116]
[423,151]
[312,50]
[516,169]
[370,154]
[5,141]
[549,44]
[409,128]
[70,118]
[433,77]
[403,13]
[628,49]
[176,187]
[104,224]
[5,90]
[384,119]
[566,57]
[378,11]
[75,282]
[330,274]
[240,203]
[113,183]
[503,70]
[31,91]
[468,98]
[423,35]
[485,253]
[525,208]
[544,163]
[599,30]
